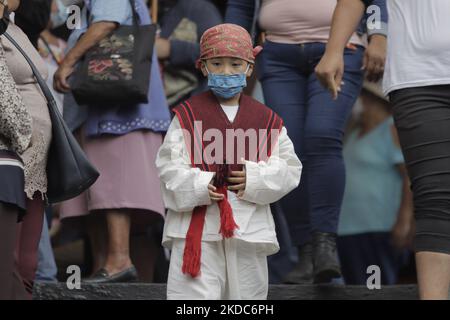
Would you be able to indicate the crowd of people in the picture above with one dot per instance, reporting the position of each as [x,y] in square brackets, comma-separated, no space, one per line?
[346,175]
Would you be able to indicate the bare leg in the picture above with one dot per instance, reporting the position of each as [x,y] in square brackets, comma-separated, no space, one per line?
[433,273]
[118,257]
[97,231]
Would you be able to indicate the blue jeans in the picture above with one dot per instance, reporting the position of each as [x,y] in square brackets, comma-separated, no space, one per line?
[46,269]
[358,251]
[315,123]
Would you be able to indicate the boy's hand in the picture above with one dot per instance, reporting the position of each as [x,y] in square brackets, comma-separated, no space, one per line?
[238,178]
[213,195]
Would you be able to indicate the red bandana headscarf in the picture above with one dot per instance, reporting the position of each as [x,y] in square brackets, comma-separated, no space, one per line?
[227,40]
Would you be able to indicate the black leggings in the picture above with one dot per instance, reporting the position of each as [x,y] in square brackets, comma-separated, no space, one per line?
[11,285]
[422,118]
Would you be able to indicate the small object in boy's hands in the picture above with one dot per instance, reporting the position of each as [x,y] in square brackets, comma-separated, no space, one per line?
[222,172]
[219,181]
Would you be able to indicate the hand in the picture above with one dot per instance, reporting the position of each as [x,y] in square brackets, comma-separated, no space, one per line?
[238,178]
[375,58]
[330,71]
[403,233]
[60,78]
[162,48]
[213,195]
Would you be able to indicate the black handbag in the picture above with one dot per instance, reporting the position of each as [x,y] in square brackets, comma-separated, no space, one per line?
[69,172]
[116,71]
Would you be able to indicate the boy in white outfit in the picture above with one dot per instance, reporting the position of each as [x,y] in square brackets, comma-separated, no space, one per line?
[224,160]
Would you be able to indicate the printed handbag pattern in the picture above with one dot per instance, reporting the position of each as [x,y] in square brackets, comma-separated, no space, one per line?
[116,71]
[111,60]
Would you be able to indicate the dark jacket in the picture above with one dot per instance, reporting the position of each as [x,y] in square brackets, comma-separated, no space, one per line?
[203,13]
[184,54]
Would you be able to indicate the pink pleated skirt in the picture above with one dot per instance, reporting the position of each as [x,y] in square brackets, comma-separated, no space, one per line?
[128,176]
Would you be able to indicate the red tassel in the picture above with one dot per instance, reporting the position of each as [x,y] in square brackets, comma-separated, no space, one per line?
[193,246]
[227,223]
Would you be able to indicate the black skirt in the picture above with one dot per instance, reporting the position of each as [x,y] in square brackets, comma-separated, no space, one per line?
[12,180]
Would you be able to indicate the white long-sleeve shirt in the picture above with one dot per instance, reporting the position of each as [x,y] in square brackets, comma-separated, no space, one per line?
[184,188]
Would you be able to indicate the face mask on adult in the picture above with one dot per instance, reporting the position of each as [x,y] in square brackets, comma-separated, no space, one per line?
[60,16]
[227,86]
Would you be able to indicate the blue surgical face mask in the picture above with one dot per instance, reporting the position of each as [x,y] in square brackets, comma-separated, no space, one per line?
[60,17]
[227,86]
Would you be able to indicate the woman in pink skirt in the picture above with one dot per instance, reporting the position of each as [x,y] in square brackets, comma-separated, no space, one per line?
[122,142]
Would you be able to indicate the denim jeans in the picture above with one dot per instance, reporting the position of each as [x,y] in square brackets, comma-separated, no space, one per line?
[315,123]
[46,270]
[359,251]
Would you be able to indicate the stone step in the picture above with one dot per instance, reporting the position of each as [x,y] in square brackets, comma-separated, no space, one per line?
[141,291]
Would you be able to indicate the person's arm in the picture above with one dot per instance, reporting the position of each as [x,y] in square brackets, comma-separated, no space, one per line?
[375,57]
[105,17]
[15,121]
[183,187]
[346,17]
[241,12]
[403,229]
[95,33]
[267,182]
[375,54]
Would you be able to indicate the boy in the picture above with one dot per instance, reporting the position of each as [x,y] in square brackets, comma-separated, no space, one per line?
[218,191]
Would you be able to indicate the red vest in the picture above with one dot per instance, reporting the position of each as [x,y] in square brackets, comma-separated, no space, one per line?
[202,114]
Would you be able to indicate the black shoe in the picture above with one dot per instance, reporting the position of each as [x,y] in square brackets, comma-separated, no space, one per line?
[102,276]
[325,259]
[303,271]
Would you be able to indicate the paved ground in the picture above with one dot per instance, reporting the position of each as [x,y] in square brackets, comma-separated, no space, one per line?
[276,292]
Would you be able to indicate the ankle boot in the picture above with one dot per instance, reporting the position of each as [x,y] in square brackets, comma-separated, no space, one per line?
[325,259]
[303,271]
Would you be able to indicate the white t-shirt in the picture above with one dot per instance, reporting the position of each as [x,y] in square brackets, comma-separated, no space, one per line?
[230,111]
[418,44]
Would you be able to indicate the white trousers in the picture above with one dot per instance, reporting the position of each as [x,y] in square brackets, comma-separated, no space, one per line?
[231,269]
